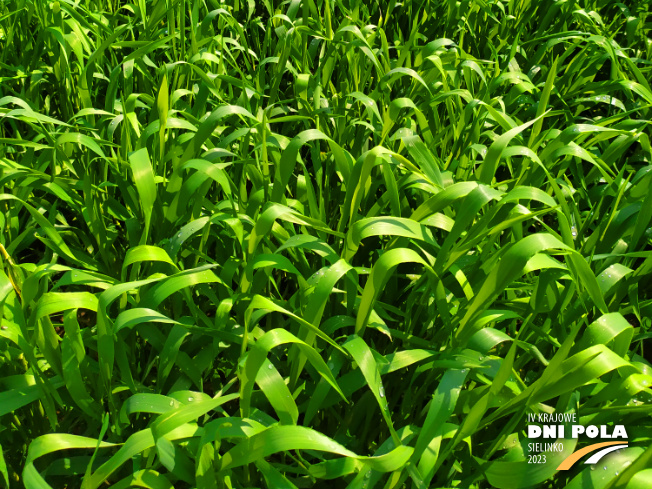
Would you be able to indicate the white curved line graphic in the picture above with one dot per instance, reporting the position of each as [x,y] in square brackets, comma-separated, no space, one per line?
[595,458]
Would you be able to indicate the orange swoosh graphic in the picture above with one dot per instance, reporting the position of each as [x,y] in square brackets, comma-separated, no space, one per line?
[575,456]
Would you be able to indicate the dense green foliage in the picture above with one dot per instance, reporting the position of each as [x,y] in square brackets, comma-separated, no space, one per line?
[322,243]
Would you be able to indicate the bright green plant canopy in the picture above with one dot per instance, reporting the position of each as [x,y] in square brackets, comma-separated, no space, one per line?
[322,243]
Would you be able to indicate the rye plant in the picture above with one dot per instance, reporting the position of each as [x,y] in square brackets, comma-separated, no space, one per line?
[322,243]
